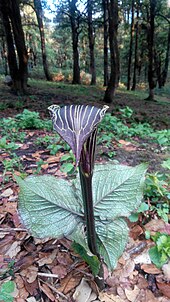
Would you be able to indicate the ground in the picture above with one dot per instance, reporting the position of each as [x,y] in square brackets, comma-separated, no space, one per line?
[49,270]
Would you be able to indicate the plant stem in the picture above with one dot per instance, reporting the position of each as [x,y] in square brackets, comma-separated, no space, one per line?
[86,187]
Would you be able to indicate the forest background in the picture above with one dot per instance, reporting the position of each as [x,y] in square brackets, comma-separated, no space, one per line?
[107,42]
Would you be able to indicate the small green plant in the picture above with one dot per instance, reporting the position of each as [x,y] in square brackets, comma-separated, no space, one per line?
[166,164]
[39,164]
[12,164]
[156,185]
[56,147]
[117,128]
[31,120]
[160,253]
[67,162]
[162,211]
[19,104]
[90,210]
[126,112]
[143,208]
[10,130]
[7,291]
[47,140]
[162,137]
[7,146]
[9,271]
[3,106]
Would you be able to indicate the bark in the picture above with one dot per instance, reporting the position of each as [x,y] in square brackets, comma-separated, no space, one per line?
[114,51]
[105,16]
[75,40]
[11,17]
[165,70]
[4,56]
[39,15]
[136,62]
[130,47]
[91,43]
[150,39]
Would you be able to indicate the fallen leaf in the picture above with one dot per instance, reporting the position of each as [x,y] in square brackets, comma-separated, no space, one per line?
[59,270]
[143,258]
[7,193]
[23,294]
[123,142]
[32,288]
[155,225]
[14,249]
[68,283]
[20,300]
[149,296]
[31,299]
[121,292]
[104,297]
[47,291]
[45,166]
[30,273]
[46,258]
[142,282]
[135,232]
[83,292]
[128,268]
[64,258]
[19,281]
[164,288]
[132,294]
[150,269]
[25,146]
[166,271]
[53,159]
[10,207]
[36,154]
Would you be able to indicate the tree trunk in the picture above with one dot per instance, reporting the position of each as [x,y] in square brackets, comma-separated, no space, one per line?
[91,43]
[105,16]
[150,39]
[75,36]
[39,15]
[136,62]
[130,47]
[4,56]
[165,70]
[114,51]
[15,36]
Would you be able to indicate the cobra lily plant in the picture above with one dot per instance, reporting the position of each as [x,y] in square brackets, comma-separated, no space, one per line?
[91,210]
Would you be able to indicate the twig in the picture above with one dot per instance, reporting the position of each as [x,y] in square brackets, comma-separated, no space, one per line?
[84,273]
[55,290]
[137,249]
[13,230]
[47,275]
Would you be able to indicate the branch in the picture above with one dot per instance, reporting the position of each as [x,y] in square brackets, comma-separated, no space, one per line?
[29,4]
[30,24]
[164,17]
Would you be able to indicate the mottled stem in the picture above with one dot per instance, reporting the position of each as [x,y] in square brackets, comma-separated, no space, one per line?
[86,186]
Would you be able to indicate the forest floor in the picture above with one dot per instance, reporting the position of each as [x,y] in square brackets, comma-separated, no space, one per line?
[49,270]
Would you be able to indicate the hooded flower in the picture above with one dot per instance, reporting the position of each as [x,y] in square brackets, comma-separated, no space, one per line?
[75,123]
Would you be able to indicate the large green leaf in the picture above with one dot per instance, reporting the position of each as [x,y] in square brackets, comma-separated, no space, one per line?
[113,237]
[117,190]
[48,206]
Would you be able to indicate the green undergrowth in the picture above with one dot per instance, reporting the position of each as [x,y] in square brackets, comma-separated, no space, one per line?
[114,127]
[160,253]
